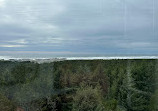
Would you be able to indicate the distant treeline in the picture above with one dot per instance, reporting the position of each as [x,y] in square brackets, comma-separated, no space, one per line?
[79,85]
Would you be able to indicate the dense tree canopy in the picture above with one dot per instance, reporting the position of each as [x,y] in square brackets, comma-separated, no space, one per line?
[90,85]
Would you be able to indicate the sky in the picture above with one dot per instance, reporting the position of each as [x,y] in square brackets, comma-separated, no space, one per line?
[79,26]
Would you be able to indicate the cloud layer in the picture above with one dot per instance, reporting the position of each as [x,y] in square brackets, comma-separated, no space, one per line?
[84,26]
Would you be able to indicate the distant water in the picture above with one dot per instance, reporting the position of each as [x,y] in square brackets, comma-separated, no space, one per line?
[5,57]
[75,56]
[113,57]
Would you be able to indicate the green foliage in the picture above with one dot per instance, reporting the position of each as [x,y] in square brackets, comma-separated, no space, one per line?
[88,98]
[154,101]
[97,85]
[5,104]
[25,72]
[111,104]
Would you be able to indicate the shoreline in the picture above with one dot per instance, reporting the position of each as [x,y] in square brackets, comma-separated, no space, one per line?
[77,58]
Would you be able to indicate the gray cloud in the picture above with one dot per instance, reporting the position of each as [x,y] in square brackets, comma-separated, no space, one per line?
[89,25]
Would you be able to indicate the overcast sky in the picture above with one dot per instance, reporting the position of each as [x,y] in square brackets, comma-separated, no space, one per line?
[79,26]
